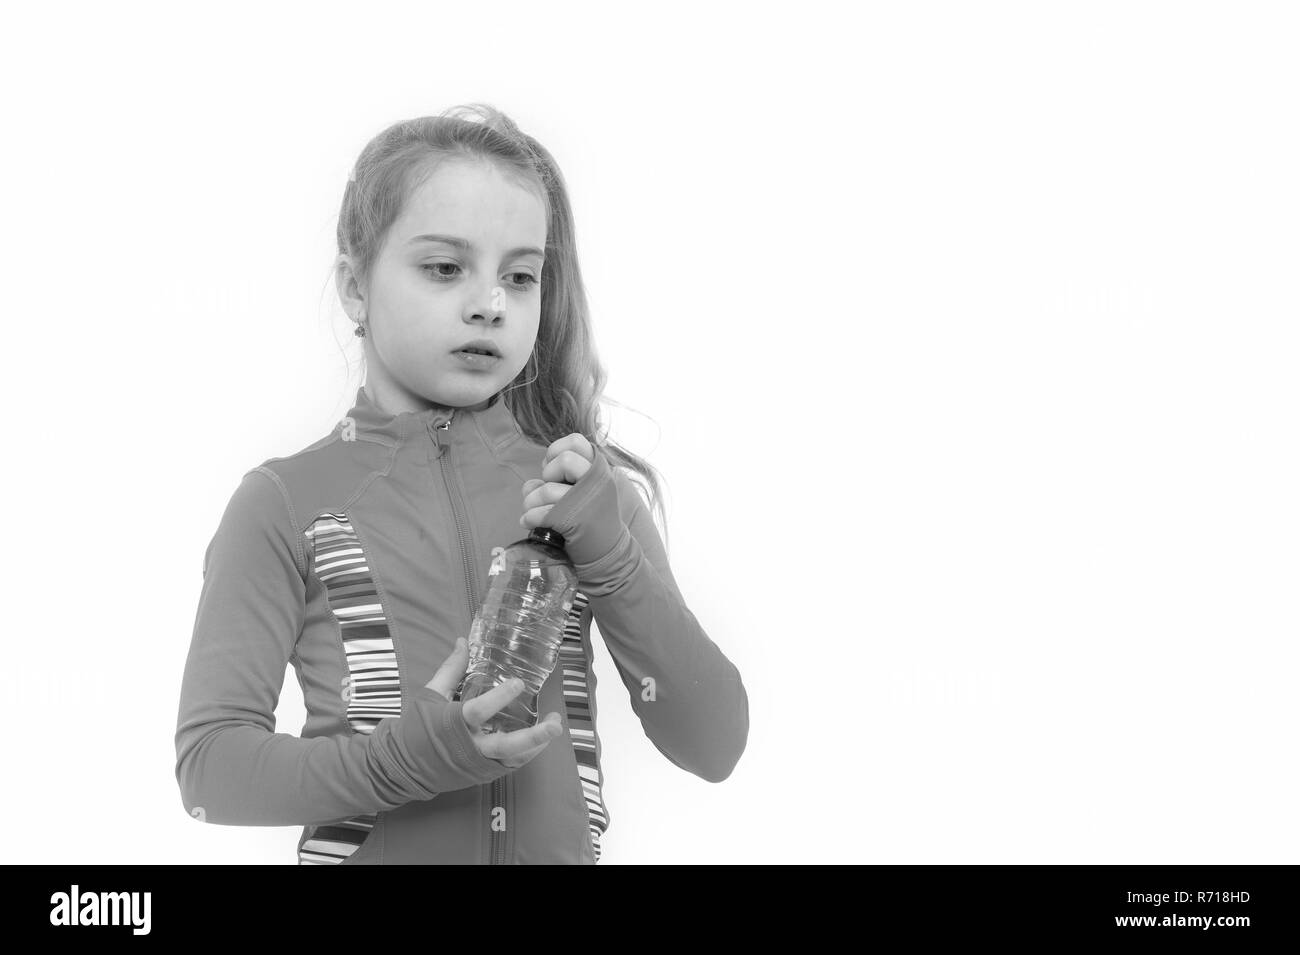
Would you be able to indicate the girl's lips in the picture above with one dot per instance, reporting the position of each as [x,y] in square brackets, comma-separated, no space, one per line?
[474,360]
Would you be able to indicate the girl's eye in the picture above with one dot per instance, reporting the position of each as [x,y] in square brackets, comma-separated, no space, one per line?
[432,267]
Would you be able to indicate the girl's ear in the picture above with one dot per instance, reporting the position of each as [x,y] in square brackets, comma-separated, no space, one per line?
[345,281]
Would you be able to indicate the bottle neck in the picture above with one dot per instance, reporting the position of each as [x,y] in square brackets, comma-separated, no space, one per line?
[547,535]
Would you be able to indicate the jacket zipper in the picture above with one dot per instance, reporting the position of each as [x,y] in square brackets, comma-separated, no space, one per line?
[496,845]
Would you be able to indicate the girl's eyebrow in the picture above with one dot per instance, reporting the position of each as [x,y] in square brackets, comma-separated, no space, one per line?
[467,246]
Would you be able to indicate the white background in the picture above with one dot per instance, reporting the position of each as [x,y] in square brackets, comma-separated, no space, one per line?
[964,334]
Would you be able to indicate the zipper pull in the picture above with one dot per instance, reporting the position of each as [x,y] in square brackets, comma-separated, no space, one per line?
[446,425]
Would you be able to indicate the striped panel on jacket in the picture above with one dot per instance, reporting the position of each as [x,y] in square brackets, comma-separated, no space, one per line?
[372,688]
[582,731]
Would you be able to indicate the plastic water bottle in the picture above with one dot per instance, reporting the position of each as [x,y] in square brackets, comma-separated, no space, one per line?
[520,626]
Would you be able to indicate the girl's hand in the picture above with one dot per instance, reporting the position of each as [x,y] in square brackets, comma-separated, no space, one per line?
[577,496]
[513,749]
[566,461]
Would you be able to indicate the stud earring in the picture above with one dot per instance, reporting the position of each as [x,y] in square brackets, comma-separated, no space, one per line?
[360,330]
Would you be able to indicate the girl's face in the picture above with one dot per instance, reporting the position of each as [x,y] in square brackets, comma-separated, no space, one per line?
[462,262]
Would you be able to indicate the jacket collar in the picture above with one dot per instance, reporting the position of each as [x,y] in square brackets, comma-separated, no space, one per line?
[493,425]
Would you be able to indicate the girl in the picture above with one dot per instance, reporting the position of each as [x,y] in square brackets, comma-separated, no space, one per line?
[362,558]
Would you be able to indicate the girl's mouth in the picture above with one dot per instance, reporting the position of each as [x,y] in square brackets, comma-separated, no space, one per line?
[476,359]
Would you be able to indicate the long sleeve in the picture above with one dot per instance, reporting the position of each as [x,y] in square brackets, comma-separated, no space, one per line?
[698,715]
[231,766]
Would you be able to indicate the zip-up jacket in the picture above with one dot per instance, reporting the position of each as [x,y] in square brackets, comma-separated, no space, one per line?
[360,560]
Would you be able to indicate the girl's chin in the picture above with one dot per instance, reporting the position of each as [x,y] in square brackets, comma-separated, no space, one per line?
[469,398]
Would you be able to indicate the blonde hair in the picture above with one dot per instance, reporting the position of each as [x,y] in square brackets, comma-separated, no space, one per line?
[563,382]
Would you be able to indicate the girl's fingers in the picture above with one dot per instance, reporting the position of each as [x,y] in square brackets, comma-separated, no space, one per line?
[519,746]
[534,516]
[576,442]
[477,711]
[545,492]
[514,762]
[567,466]
[452,670]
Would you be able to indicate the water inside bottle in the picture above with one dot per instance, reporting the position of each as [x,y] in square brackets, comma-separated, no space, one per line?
[519,628]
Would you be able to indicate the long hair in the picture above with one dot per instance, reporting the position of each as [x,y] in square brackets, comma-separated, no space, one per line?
[563,383]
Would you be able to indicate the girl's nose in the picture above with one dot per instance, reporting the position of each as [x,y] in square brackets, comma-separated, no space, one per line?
[491,306]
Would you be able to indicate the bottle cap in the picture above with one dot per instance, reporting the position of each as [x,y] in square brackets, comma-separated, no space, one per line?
[547,535]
